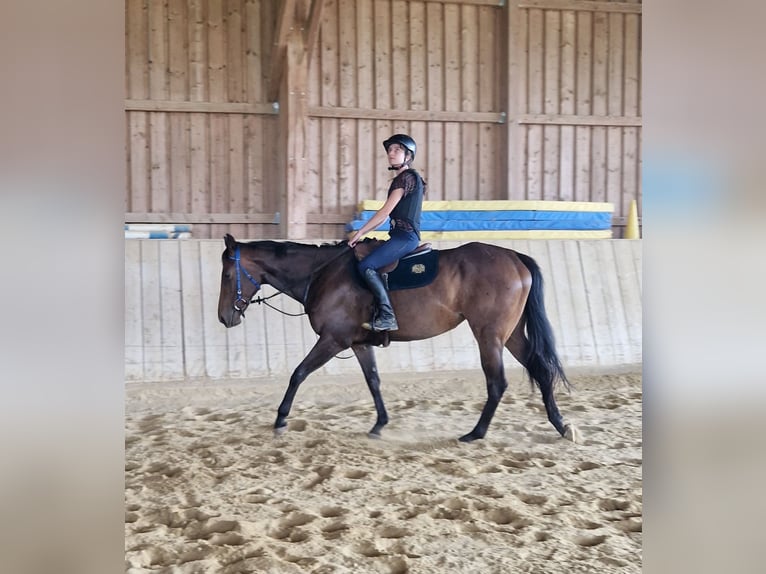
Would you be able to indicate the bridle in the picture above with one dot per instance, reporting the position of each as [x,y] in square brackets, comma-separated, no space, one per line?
[240,269]
[241,300]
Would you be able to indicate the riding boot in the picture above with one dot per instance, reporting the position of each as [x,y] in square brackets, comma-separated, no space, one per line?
[384,319]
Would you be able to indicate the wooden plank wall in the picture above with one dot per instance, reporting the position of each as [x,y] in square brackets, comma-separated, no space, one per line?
[575,95]
[592,298]
[429,69]
[204,142]
[200,137]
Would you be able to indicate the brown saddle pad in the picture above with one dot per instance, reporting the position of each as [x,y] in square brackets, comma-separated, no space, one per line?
[364,248]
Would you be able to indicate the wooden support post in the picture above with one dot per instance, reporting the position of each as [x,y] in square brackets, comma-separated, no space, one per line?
[297,28]
[517,102]
[293,112]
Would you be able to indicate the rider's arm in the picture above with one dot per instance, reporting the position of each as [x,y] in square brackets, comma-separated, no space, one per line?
[379,216]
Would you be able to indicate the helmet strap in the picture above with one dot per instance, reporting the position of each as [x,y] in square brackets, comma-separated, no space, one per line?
[398,167]
[401,165]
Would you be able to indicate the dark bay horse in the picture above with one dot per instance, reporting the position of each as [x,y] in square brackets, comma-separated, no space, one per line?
[498,291]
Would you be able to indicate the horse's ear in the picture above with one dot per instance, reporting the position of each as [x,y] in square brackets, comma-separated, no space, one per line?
[230,241]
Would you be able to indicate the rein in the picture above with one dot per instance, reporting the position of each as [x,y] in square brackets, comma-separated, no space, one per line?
[263,300]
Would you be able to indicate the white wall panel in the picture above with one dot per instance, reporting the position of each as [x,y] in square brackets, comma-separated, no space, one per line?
[172,332]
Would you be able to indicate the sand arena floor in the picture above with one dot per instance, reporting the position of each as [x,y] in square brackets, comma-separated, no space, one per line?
[210,489]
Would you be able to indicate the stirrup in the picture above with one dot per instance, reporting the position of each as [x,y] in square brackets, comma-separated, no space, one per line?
[379,325]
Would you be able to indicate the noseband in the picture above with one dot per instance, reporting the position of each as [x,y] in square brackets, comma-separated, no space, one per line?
[240,269]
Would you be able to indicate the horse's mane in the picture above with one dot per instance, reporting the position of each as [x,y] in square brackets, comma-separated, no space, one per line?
[283,248]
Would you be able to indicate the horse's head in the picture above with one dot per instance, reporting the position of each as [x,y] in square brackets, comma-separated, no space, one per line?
[239,283]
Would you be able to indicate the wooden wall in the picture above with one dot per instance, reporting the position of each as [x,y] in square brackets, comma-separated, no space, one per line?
[575,88]
[199,130]
[429,69]
[531,100]
[172,333]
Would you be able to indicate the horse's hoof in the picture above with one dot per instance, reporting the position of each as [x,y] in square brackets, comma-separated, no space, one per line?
[279,431]
[572,433]
[470,437]
[373,434]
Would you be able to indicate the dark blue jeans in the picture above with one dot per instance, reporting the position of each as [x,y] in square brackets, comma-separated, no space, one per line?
[399,244]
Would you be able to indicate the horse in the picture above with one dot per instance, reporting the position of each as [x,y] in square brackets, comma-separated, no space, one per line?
[498,291]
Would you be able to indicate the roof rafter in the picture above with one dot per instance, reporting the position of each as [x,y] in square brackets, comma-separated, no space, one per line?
[314,24]
[285,22]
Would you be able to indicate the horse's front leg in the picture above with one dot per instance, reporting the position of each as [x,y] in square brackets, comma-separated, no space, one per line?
[366,357]
[324,350]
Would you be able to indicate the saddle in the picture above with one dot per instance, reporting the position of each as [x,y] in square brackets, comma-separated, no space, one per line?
[416,269]
[363,249]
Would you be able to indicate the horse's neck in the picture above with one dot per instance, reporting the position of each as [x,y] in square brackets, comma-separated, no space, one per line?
[297,269]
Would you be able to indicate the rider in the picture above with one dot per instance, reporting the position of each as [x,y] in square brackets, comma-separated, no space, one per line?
[403,206]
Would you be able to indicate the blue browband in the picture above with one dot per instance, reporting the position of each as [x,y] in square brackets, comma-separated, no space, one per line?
[240,270]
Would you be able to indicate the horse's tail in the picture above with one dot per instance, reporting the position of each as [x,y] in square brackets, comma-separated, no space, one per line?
[542,362]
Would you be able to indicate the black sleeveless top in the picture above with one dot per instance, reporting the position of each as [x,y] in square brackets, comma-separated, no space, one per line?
[406,214]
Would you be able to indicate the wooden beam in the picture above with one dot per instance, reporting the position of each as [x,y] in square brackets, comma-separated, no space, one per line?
[262,218]
[574,120]
[516,99]
[293,127]
[583,5]
[314,24]
[498,3]
[405,115]
[285,23]
[273,218]
[334,218]
[200,107]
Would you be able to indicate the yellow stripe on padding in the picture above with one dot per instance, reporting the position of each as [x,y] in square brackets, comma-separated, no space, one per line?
[519,234]
[500,205]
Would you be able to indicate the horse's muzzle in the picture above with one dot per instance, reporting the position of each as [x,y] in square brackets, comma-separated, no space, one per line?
[232,317]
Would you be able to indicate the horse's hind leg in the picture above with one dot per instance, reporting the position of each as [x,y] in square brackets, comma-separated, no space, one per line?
[366,357]
[491,350]
[518,345]
[324,350]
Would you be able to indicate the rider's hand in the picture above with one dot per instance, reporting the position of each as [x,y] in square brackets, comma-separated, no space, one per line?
[354,239]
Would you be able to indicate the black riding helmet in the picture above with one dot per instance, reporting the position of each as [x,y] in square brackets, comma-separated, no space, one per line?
[404,140]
